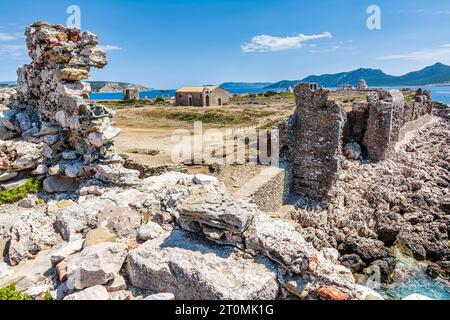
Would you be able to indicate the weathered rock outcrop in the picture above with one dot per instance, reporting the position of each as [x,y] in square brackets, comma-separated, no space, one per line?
[196,270]
[95,265]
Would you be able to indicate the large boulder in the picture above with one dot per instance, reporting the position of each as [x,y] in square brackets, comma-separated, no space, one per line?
[193,269]
[278,240]
[96,293]
[32,233]
[58,184]
[95,265]
[72,221]
[368,249]
[215,209]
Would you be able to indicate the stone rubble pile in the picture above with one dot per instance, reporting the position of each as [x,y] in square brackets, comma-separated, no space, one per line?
[137,242]
[56,132]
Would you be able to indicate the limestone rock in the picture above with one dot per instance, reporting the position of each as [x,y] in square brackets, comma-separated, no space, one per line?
[118,284]
[99,235]
[161,297]
[7,176]
[30,272]
[32,233]
[150,231]
[29,156]
[122,221]
[278,240]
[57,184]
[40,170]
[368,249]
[73,220]
[195,270]
[118,175]
[66,250]
[94,293]
[98,139]
[352,150]
[72,74]
[215,209]
[95,265]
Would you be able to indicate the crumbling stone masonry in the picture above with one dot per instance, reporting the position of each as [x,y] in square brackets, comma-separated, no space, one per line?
[388,114]
[72,137]
[320,128]
[318,125]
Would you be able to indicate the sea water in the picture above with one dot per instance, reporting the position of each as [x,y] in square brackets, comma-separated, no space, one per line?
[410,277]
[441,94]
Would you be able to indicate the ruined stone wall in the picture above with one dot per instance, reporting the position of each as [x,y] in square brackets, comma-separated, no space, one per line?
[318,125]
[69,137]
[320,128]
[388,114]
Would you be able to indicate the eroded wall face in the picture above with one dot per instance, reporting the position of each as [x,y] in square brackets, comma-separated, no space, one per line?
[318,125]
[389,112]
[320,128]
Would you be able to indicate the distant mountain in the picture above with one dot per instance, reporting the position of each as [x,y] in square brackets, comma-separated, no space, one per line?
[435,74]
[112,87]
[244,85]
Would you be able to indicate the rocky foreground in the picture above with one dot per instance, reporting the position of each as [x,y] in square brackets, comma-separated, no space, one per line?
[403,202]
[158,238]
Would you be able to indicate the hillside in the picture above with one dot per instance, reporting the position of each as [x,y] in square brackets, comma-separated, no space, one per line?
[111,87]
[436,74]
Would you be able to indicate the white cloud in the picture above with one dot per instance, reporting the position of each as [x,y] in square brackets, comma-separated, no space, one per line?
[110,48]
[441,54]
[14,51]
[265,43]
[10,36]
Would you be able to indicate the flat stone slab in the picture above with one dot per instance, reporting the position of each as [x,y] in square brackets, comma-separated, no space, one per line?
[58,184]
[217,210]
[194,269]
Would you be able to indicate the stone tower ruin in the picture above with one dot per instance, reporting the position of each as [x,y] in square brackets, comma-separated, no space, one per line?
[70,137]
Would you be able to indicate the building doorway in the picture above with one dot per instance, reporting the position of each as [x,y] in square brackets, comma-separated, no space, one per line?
[207,102]
[190,101]
[219,101]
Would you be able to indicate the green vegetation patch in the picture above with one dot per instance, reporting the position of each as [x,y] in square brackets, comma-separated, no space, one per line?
[11,293]
[216,117]
[121,104]
[10,196]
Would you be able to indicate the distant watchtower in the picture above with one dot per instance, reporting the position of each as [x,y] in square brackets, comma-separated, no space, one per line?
[131,94]
[363,85]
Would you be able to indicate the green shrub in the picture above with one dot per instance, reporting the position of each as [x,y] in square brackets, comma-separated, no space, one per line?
[159,100]
[270,93]
[47,296]
[10,196]
[11,293]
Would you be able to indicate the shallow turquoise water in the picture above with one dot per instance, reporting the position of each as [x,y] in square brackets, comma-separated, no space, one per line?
[412,278]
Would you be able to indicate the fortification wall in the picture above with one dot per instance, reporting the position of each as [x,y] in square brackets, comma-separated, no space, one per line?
[322,132]
[318,124]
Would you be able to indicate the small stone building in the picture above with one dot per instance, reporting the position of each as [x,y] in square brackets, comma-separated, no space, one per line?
[131,94]
[203,96]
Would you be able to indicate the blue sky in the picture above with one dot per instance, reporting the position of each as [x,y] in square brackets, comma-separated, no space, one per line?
[170,43]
